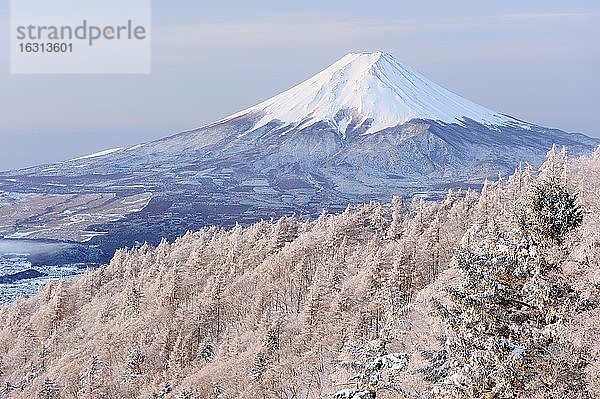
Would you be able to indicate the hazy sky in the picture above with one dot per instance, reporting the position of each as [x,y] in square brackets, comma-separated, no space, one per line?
[537,60]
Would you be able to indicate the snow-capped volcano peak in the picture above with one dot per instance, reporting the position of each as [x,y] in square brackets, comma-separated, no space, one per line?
[371,87]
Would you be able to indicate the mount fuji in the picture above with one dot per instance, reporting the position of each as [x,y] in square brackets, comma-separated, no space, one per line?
[372,90]
[365,128]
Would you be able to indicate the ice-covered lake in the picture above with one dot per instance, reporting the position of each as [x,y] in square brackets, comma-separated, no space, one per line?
[27,265]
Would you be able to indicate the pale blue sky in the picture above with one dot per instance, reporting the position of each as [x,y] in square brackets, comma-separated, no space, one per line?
[536,60]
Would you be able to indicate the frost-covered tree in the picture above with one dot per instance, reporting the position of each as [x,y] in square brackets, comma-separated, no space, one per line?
[185,394]
[206,352]
[504,315]
[49,389]
[90,378]
[374,370]
[551,214]
[133,365]
[162,393]
[214,303]
[259,367]
[43,356]
[178,357]
[58,304]
[399,209]
[132,299]
[267,354]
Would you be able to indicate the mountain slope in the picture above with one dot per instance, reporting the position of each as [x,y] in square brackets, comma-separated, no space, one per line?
[366,128]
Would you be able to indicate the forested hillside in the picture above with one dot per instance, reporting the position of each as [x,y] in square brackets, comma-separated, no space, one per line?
[492,294]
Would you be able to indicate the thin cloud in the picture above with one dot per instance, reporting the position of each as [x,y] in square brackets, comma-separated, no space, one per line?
[327,30]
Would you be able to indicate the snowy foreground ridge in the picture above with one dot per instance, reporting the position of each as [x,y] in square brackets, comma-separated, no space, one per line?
[371,86]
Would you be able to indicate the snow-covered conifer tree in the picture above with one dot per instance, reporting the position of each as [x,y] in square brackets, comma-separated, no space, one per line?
[398,210]
[163,391]
[266,356]
[501,319]
[49,389]
[185,394]
[374,370]
[132,296]
[90,378]
[133,365]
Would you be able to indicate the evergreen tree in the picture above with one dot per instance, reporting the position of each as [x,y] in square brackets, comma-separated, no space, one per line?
[374,370]
[49,389]
[501,320]
[206,351]
[267,354]
[398,208]
[133,365]
[552,212]
[163,391]
[185,394]
[259,367]
[90,377]
[132,296]
[6,388]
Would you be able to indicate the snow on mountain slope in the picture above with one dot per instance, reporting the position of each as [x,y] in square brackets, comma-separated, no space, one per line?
[374,88]
[98,154]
